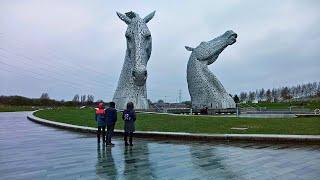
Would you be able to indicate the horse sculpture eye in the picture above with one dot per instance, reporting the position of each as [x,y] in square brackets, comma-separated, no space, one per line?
[148,37]
[148,50]
[128,37]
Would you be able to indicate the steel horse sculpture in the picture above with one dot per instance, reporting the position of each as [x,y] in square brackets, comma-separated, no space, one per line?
[132,81]
[204,87]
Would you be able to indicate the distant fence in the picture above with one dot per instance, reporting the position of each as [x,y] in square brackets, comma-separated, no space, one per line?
[200,111]
[275,111]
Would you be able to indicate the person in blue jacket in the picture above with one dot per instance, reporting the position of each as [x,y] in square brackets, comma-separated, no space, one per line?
[111,118]
[129,117]
[101,122]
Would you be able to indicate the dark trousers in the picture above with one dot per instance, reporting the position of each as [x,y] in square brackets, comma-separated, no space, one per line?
[126,134]
[103,128]
[110,129]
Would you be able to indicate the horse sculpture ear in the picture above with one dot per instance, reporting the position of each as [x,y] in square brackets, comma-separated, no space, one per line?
[149,17]
[124,18]
[189,48]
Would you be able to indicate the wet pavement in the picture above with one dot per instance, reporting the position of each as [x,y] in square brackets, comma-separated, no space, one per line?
[32,151]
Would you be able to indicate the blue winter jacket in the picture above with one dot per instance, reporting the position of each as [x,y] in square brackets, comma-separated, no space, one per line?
[111,116]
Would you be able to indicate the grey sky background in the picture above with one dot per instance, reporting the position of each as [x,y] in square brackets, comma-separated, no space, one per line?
[78,47]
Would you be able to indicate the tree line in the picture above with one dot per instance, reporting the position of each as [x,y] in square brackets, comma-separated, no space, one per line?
[282,94]
[45,100]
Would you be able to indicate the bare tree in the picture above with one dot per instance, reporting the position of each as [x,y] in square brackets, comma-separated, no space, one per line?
[243,96]
[269,95]
[256,97]
[90,99]
[83,99]
[44,96]
[285,93]
[318,90]
[252,96]
[261,94]
[76,98]
[314,88]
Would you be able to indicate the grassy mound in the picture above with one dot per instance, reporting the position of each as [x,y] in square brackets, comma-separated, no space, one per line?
[192,124]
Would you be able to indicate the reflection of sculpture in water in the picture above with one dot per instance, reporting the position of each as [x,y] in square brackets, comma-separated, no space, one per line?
[132,82]
[204,88]
[105,167]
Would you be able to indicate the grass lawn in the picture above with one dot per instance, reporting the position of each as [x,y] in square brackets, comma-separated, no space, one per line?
[192,124]
[285,105]
[8,108]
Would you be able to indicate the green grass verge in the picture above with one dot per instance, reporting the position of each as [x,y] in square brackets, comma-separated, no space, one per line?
[192,124]
[7,108]
[281,105]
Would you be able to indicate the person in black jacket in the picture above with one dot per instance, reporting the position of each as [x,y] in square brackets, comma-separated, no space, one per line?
[129,117]
[111,118]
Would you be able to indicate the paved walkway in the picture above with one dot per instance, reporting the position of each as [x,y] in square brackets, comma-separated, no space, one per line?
[32,151]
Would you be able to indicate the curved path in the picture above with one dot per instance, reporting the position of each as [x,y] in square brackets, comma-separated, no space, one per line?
[32,151]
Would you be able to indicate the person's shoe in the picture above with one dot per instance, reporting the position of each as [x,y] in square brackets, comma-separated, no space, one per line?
[131,144]
[111,144]
[126,144]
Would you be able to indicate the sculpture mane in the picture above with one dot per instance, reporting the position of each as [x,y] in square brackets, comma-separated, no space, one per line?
[204,88]
[132,82]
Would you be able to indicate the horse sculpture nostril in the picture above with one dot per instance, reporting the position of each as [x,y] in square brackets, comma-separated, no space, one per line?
[145,73]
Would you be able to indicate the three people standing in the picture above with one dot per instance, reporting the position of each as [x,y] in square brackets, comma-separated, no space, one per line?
[108,117]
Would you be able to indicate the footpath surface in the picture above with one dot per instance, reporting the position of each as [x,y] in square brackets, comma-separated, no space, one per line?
[32,151]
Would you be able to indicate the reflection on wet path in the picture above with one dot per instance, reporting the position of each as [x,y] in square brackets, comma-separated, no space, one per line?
[106,167]
[32,151]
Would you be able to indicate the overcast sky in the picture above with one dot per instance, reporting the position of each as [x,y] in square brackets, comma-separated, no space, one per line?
[78,47]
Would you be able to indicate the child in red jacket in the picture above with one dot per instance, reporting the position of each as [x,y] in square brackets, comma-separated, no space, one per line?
[101,122]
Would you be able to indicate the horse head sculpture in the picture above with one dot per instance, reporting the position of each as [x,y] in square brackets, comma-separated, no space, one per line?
[204,88]
[132,82]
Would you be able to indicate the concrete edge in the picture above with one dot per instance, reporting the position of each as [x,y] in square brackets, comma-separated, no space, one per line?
[187,136]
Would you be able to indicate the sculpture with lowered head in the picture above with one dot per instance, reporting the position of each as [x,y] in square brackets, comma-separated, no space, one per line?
[204,87]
